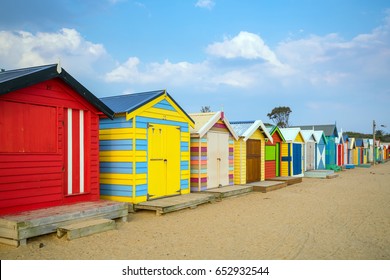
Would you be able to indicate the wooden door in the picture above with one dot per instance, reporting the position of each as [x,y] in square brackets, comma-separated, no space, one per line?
[297,159]
[163,160]
[253,163]
[310,155]
[75,152]
[217,159]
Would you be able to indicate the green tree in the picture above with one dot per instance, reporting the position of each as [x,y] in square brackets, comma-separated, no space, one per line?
[280,115]
[205,109]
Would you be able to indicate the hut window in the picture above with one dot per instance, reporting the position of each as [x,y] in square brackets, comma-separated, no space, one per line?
[27,128]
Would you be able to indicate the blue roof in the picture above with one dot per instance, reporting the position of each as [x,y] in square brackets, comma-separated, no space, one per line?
[130,102]
[359,142]
[241,126]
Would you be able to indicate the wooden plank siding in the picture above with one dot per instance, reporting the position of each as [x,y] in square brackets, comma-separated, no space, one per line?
[272,155]
[32,178]
[124,170]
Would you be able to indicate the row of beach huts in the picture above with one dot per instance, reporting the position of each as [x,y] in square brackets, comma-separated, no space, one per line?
[62,146]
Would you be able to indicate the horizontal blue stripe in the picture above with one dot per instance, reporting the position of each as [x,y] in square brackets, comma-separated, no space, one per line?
[115,170]
[116,190]
[184,146]
[141,167]
[184,165]
[141,190]
[116,145]
[142,122]
[184,184]
[115,123]
[116,167]
[164,104]
[286,158]
[117,164]
[141,145]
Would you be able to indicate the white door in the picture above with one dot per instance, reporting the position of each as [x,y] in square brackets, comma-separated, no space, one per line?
[217,159]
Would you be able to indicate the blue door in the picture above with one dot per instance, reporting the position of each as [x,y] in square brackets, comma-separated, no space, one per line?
[297,159]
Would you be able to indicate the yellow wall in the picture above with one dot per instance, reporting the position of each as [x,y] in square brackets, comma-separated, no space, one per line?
[239,162]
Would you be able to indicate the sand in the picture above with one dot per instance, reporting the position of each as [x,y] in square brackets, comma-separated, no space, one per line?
[343,218]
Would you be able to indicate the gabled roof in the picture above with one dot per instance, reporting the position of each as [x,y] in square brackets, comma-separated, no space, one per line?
[130,103]
[21,78]
[308,135]
[245,129]
[273,129]
[359,142]
[291,133]
[318,134]
[328,129]
[351,143]
[205,121]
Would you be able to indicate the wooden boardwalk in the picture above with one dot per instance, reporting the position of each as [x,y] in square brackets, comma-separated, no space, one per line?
[289,179]
[16,228]
[325,174]
[267,186]
[175,203]
[229,191]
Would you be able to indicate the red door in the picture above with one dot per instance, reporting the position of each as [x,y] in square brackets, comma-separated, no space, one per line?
[74,128]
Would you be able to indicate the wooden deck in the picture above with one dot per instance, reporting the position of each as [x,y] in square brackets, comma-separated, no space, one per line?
[267,186]
[229,191]
[16,228]
[288,179]
[325,174]
[175,203]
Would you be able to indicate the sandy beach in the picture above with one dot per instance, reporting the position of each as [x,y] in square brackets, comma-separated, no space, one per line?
[343,218]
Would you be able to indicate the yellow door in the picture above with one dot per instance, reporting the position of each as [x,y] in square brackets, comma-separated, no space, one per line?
[163,160]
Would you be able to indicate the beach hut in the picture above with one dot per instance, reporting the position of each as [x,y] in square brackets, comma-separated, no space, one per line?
[339,141]
[320,149]
[331,133]
[345,148]
[292,157]
[144,151]
[351,150]
[309,149]
[49,125]
[249,151]
[359,152]
[212,151]
[272,152]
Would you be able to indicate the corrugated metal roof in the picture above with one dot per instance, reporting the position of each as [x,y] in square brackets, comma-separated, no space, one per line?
[12,80]
[240,127]
[308,135]
[328,129]
[129,102]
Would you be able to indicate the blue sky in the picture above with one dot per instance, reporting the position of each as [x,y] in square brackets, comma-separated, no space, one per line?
[329,61]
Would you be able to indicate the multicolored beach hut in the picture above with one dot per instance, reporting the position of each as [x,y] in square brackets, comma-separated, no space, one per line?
[331,133]
[340,149]
[320,148]
[212,149]
[249,151]
[144,151]
[292,152]
[49,144]
[359,151]
[309,149]
[272,152]
[351,151]
[345,148]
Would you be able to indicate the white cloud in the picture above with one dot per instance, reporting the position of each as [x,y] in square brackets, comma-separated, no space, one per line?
[25,49]
[208,4]
[245,45]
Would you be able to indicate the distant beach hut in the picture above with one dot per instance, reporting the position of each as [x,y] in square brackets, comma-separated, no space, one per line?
[144,151]
[331,133]
[320,149]
[49,129]
[273,152]
[249,151]
[292,152]
[212,149]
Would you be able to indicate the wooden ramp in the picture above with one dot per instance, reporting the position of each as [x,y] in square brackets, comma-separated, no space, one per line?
[288,179]
[175,203]
[16,228]
[325,174]
[364,165]
[229,191]
[349,166]
[267,186]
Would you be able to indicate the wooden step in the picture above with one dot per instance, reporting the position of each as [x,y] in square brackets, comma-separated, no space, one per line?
[85,228]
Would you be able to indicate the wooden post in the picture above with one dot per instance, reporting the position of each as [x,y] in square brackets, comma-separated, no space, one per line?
[373,138]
